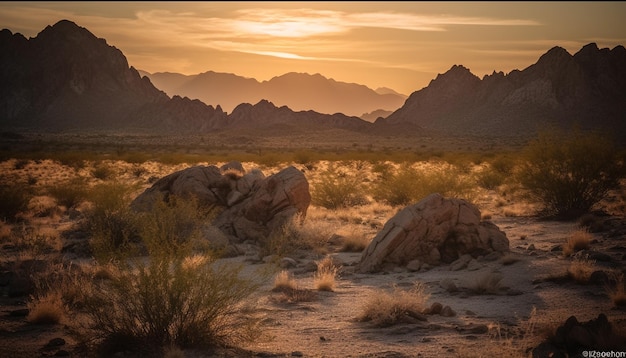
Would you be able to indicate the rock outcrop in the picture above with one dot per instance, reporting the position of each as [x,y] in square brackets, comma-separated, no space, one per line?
[250,205]
[435,230]
[585,89]
[573,338]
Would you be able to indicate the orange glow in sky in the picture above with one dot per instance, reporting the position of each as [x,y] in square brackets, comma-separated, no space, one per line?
[400,45]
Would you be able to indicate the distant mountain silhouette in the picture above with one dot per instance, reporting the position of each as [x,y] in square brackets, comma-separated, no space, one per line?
[298,91]
[587,90]
[67,79]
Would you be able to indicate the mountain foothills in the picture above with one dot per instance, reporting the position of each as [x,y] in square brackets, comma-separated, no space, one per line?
[298,91]
[67,80]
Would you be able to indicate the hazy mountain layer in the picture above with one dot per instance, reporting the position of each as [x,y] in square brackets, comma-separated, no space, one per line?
[298,91]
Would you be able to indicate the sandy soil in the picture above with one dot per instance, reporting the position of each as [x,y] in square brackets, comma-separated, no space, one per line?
[506,323]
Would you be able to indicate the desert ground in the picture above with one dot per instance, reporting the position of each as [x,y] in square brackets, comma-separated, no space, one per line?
[496,306]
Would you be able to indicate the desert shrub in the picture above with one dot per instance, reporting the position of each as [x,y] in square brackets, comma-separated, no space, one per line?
[384,308]
[283,240]
[110,222]
[172,299]
[325,278]
[103,171]
[69,194]
[175,295]
[173,226]
[336,190]
[14,199]
[579,240]
[409,185]
[570,172]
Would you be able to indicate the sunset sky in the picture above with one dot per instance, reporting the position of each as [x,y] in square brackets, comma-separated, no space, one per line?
[400,45]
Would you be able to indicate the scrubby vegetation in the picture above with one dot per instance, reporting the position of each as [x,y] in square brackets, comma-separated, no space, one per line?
[570,172]
[384,308]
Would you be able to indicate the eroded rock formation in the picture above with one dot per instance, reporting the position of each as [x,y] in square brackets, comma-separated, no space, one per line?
[251,205]
[435,230]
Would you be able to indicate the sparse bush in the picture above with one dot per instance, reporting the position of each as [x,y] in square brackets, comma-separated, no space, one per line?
[336,190]
[570,172]
[579,240]
[173,296]
[186,301]
[14,199]
[103,171]
[111,222]
[487,283]
[409,185]
[69,194]
[290,292]
[387,308]
[325,277]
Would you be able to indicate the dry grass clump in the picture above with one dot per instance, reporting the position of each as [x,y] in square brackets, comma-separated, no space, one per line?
[284,281]
[618,293]
[47,309]
[325,278]
[290,292]
[579,240]
[384,308]
[487,283]
[581,270]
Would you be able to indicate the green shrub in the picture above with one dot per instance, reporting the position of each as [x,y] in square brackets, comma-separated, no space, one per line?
[111,223]
[337,190]
[409,185]
[69,194]
[570,172]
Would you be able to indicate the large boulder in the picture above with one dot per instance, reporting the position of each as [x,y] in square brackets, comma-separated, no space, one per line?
[435,230]
[250,205]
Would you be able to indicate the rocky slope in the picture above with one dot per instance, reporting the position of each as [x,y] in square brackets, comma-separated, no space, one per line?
[587,89]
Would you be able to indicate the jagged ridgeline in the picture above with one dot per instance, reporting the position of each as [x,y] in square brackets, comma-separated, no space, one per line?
[67,79]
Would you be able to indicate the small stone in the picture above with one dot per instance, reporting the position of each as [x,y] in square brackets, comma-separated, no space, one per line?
[447,312]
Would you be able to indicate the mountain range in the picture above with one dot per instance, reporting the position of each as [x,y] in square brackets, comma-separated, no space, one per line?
[67,80]
[298,91]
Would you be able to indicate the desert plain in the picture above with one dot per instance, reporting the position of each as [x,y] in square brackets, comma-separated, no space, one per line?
[496,305]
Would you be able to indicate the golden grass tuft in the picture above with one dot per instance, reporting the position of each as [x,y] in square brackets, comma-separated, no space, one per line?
[284,281]
[47,309]
[581,270]
[617,294]
[579,240]
[325,278]
[388,308]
